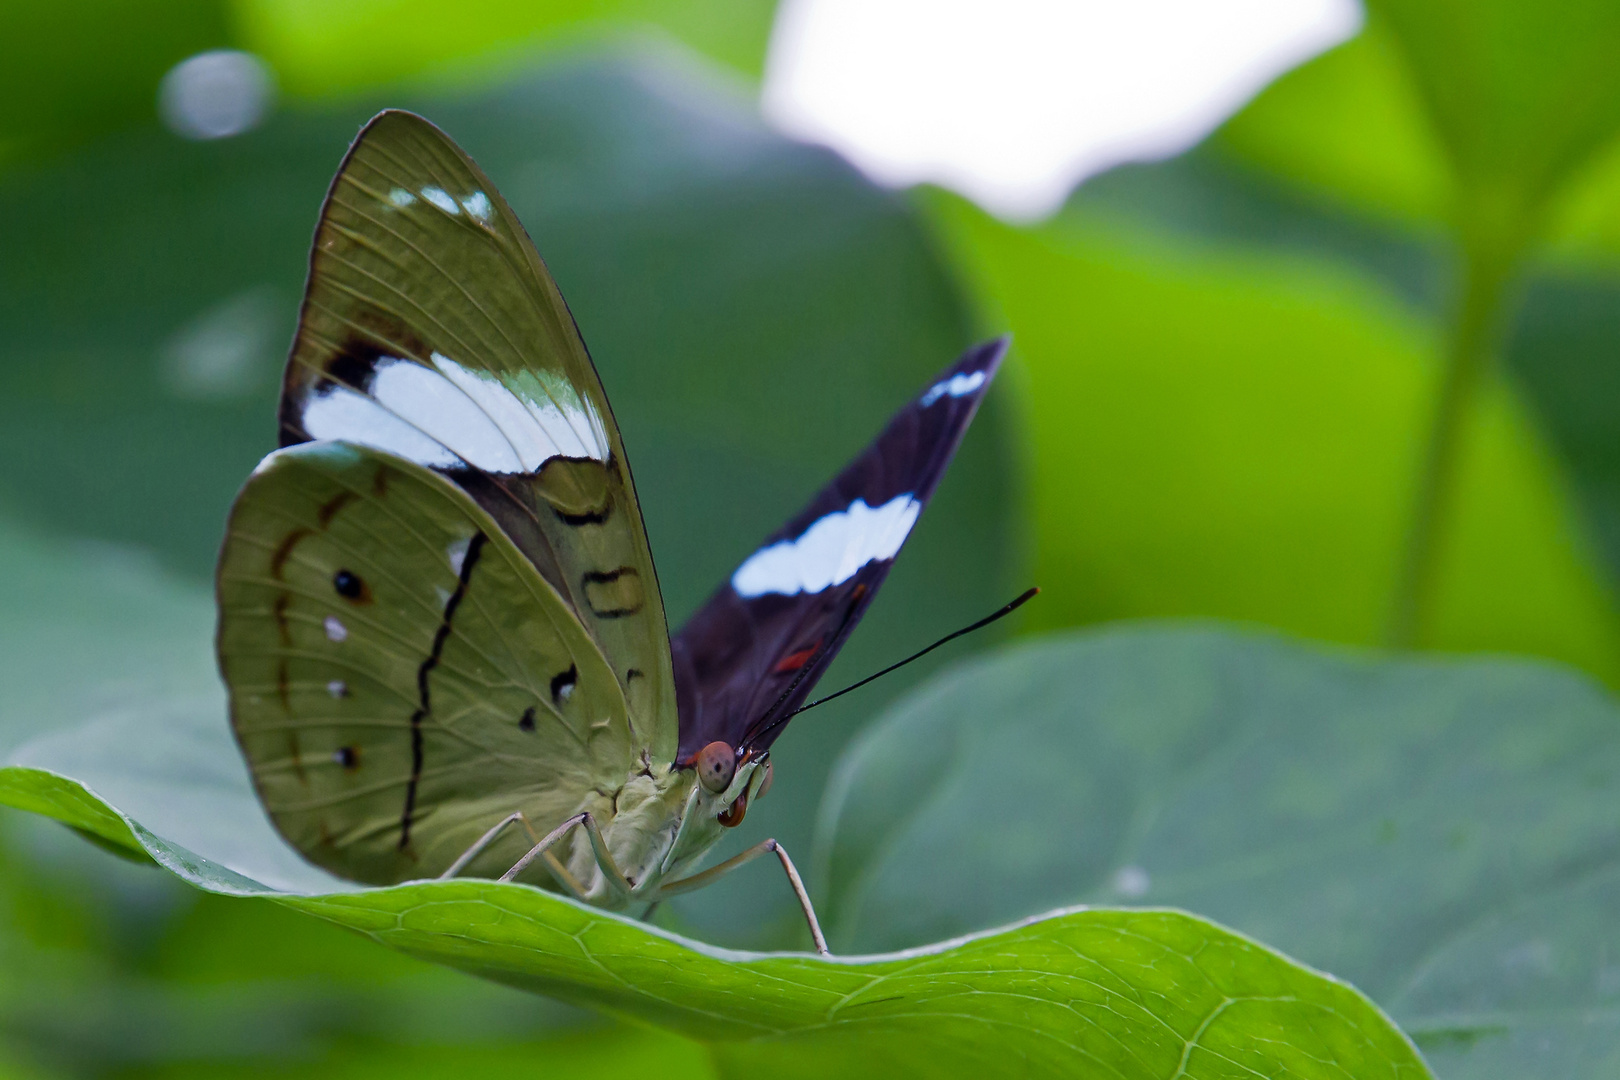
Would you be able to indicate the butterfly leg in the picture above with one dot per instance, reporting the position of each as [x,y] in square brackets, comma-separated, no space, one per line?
[557,869]
[697,881]
[604,859]
[489,838]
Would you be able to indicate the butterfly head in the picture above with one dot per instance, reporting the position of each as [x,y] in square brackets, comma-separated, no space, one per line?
[728,779]
[710,807]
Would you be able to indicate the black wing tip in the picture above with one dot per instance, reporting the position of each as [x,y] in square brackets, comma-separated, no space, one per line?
[982,359]
[990,352]
[998,344]
[986,356]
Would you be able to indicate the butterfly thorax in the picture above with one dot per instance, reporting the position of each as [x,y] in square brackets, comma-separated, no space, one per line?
[658,827]
[639,822]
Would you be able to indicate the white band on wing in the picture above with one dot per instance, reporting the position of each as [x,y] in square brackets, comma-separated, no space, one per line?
[957,385]
[444,415]
[830,551]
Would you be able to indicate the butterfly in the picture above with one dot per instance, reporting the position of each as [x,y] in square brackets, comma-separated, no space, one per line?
[439,621]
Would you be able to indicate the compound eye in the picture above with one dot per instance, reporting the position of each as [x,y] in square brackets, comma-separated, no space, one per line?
[716,765]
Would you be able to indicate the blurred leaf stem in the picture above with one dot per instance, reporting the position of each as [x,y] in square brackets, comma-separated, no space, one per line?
[1521,98]
[1489,261]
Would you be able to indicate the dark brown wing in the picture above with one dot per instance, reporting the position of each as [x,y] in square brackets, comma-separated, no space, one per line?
[753,653]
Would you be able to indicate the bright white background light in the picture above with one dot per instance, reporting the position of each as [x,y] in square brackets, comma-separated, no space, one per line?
[216,94]
[1013,102]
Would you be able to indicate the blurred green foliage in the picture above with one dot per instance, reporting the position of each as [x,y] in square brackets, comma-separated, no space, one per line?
[1269,482]
[74,69]
[318,48]
[1230,372]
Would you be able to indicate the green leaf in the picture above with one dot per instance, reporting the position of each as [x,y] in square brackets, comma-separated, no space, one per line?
[1232,432]
[1439,832]
[317,48]
[1557,350]
[1348,124]
[1519,101]
[41,792]
[1520,94]
[756,309]
[1477,114]
[1133,993]
[1141,993]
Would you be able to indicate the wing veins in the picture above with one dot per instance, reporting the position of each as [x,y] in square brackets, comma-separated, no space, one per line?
[465,352]
[523,272]
[514,664]
[466,293]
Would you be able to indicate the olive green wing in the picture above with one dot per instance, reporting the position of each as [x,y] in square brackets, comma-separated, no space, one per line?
[400,676]
[431,330]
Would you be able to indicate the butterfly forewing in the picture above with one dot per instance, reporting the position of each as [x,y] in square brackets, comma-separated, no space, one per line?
[751,655]
[400,676]
[431,330]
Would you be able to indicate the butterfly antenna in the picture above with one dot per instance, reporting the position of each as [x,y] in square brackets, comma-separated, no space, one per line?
[1000,613]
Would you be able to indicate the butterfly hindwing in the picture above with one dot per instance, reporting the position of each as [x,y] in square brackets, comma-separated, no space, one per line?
[431,330]
[753,652]
[400,675]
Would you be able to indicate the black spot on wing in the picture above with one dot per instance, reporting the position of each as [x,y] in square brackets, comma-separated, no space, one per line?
[613,594]
[354,369]
[351,587]
[526,721]
[578,489]
[562,685]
